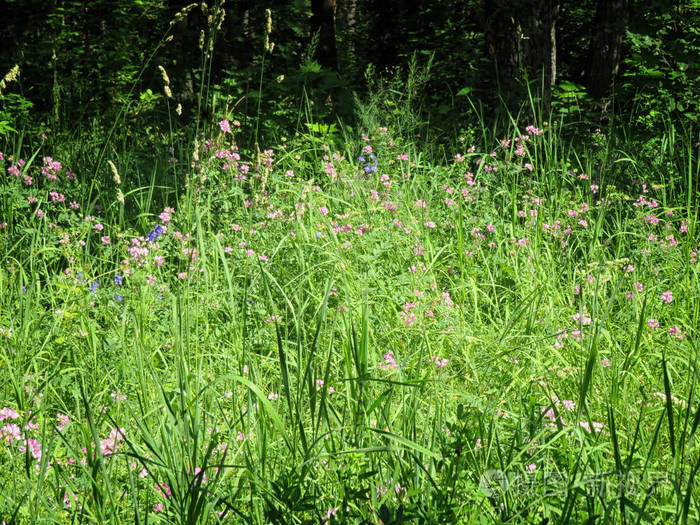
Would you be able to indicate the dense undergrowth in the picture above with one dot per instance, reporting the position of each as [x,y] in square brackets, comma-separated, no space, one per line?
[351,329]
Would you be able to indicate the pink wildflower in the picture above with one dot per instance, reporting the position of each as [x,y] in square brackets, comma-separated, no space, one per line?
[676,332]
[8,413]
[440,363]
[10,432]
[597,427]
[389,362]
[110,445]
[34,448]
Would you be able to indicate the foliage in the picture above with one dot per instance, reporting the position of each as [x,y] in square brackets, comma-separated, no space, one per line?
[380,333]
[238,287]
[663,68]
[82,60]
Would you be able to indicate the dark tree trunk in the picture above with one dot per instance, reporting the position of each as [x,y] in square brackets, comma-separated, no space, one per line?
[381,46]
[11,31]
[323,22]
[351,25]
[549,12]
[521,42]
[605,50]
[502,45]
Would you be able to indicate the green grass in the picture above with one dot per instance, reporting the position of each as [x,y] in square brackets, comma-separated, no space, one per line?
[442,340]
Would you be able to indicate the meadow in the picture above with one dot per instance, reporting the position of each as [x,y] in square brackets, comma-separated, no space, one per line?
[351,326]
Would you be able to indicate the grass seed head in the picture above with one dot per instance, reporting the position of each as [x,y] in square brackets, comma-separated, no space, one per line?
[11,76]
[115,173]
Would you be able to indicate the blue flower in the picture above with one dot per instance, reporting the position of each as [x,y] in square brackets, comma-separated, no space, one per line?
[370,164]
[118,279]
[94,286]
[118,298]
[157,232]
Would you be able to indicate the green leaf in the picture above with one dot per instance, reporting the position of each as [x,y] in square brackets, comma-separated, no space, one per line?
[5,127]
[325,129]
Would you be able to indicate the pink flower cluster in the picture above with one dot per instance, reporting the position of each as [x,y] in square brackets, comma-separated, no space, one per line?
[51,168]
[389,362]
[110,445]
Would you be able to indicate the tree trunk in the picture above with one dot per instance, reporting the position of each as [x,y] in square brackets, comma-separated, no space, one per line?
[502,45]
[323,22]
[521,42]
[552,11]
[553,46]
[605,50]
[351,23]
[539,46]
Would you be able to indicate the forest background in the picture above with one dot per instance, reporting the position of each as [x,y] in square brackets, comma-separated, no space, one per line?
[82,62]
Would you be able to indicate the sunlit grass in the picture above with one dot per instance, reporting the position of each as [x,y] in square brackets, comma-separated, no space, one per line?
[368,335]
